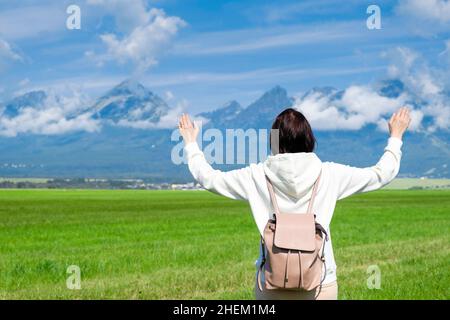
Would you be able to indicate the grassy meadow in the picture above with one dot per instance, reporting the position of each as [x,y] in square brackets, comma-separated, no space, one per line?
[196,245]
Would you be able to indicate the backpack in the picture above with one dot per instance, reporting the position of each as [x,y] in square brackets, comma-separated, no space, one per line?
[293,248]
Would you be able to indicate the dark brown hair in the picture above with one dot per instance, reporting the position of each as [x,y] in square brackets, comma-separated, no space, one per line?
[294,133]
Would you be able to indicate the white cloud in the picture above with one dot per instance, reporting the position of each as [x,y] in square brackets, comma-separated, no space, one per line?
[416,119]
[320,110]
[439,109]
[429,10]
[426,94]
[412,69]
[145,43]
[49,121]
[370,104]
[357,107]
[58,115]
[7,52]
[428,85]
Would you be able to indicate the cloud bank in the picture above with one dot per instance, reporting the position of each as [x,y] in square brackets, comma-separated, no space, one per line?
[425,92]
[56,114]
[357,107]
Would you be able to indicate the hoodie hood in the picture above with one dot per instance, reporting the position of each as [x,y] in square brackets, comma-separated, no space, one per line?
[293,174]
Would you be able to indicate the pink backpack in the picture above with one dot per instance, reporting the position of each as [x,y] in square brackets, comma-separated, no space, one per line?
[293,248]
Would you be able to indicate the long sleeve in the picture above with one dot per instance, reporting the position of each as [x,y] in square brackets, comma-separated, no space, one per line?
[351,180]
[231,184]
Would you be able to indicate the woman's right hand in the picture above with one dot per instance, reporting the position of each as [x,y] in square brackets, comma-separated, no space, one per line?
[399,122]
[188,129]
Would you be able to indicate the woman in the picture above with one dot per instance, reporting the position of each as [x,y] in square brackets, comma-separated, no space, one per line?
[293,172]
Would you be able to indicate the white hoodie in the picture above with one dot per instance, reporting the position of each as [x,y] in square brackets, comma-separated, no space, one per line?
[293,175]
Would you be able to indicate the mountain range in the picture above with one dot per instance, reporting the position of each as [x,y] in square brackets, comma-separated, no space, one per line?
[129,141]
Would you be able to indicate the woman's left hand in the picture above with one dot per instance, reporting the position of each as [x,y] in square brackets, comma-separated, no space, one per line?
[188,130]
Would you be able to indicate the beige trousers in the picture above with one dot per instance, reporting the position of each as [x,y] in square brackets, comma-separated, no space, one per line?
[327,291]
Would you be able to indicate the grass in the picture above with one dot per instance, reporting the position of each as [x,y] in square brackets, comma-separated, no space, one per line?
[196,245]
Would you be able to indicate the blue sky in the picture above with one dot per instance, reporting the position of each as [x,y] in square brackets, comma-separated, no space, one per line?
[210,52]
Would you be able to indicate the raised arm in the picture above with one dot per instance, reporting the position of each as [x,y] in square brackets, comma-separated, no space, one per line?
[350,180]
[231,184]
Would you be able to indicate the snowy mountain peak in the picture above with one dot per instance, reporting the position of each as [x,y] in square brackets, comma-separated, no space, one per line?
[259,114]
[34,99]
[223,114]
[231,107]
[271,101]
[275,91]
[129,87]
[130,101]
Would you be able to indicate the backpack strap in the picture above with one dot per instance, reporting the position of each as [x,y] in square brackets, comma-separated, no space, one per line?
[313,195]
[272,196]
[261,265]
[274,199]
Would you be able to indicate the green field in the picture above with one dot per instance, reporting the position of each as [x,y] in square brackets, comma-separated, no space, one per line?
[196,245]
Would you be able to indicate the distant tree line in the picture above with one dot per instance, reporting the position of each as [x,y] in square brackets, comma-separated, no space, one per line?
[81,183]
